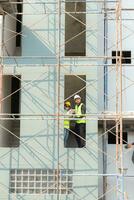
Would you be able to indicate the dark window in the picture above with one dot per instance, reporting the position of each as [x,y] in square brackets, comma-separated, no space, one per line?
[71,86]
[126,57]
[19,23]
[112,138]
[75,29]
[15,109]
[15,98]
[10,104]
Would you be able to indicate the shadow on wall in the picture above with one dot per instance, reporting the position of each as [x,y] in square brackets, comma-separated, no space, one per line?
[34,46]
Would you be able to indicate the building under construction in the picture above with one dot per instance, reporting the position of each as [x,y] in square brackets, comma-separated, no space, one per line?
[51,50]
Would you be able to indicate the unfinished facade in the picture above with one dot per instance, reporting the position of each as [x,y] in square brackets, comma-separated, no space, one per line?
[50,51]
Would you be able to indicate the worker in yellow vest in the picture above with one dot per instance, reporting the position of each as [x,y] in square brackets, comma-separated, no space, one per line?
[80,126]
[68,111]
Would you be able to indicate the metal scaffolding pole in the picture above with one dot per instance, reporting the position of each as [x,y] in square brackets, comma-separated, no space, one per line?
[117,116]
[58,97]
[119,127]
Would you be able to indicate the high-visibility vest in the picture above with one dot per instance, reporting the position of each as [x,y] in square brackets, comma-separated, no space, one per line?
[79,114]
[66,123]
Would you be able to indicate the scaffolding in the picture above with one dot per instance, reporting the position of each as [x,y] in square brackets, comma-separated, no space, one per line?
[118,116]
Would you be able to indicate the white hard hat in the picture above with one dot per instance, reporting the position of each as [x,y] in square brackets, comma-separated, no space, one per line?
[77,97]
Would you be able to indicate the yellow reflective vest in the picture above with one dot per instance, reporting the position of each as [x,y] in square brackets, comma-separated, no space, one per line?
[79,114]
[66,122]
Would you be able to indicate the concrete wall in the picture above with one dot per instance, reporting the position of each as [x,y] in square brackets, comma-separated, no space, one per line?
[41,143]
[128,72]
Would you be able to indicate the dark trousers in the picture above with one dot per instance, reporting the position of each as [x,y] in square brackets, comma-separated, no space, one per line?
[80,130]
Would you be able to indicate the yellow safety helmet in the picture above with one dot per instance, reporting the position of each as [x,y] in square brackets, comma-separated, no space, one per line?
[68,104]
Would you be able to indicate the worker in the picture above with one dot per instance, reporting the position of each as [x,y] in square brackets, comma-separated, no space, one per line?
[80,125]
[128,146]
[68,111]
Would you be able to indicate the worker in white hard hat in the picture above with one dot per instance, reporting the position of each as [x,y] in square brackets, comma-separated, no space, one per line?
[80,126]
[68,111]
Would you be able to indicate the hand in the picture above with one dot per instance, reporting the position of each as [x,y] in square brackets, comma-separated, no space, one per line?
[128,146]
[73,111]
